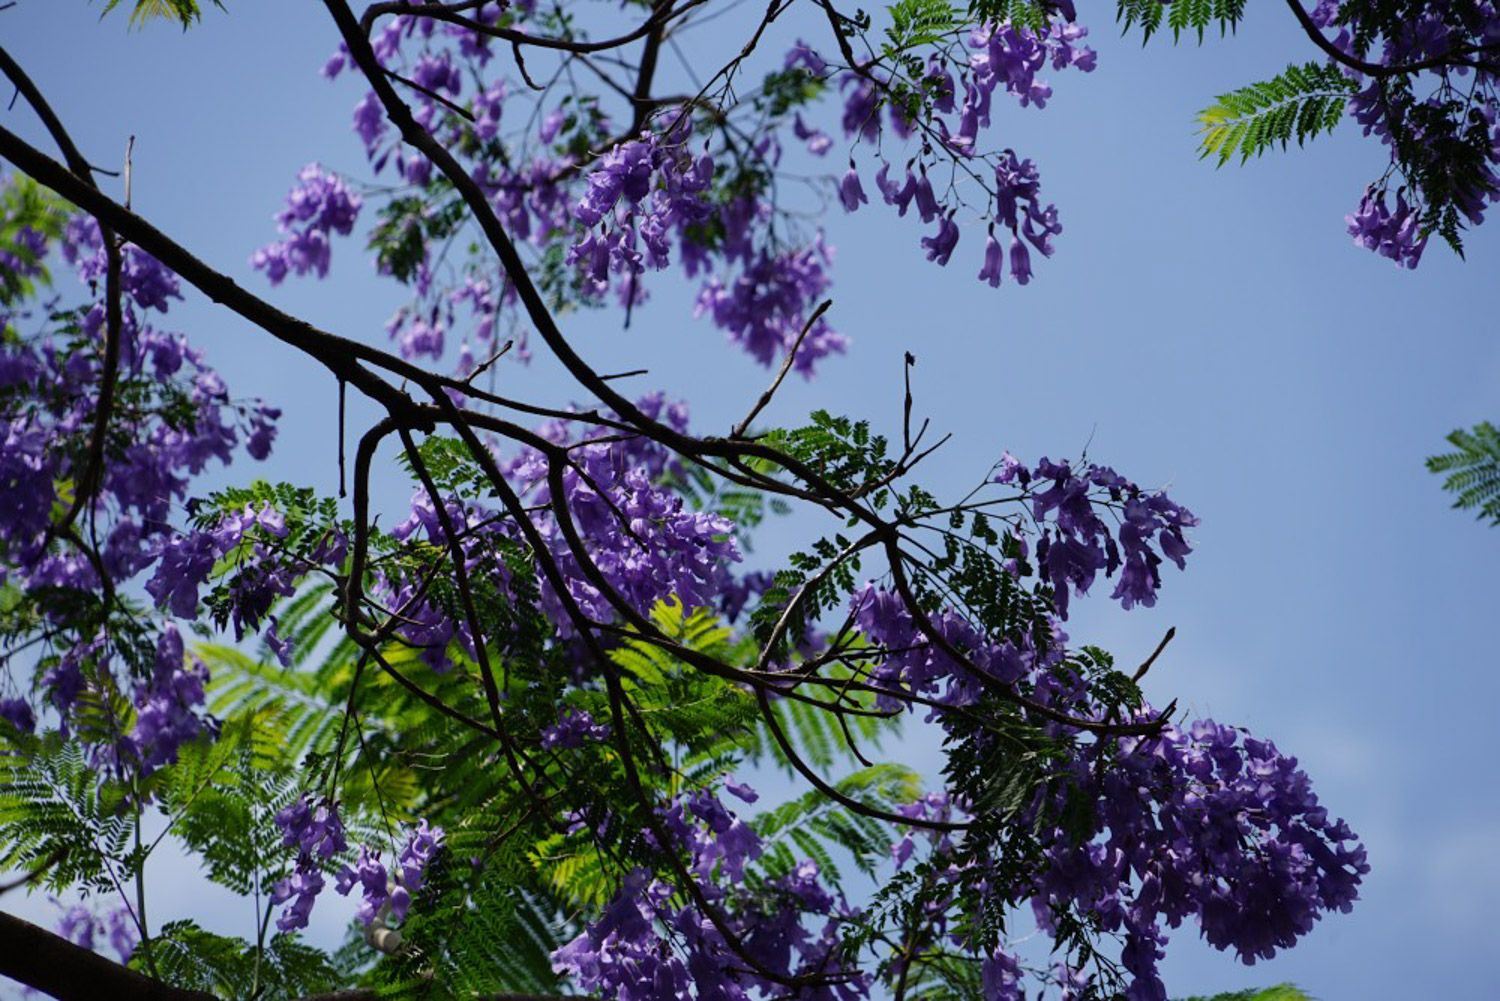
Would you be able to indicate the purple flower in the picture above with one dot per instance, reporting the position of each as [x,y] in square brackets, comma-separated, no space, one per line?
[280,647]
[818,142]
[741,790]
[994,262]
[940,245]
[1396,235]
[370,875]
[305,883]
[17,712]
[122,933]
[78,926]
[369,122]
[1000,978]
[803,56]
[315,830]
[185,564]
[899,196]
[1020,262]
[166,704]
[765,307]
[860,106]
[624,171]
[851,192]
[927,205]
[1010,468]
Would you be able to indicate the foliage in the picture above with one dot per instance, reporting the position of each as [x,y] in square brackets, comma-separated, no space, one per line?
[186,12]
[517,727]
[1281,992]
[1195,15]
[1298,103]
[1473,471]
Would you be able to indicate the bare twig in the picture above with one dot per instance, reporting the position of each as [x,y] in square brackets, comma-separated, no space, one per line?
[1140,672]
[786,366]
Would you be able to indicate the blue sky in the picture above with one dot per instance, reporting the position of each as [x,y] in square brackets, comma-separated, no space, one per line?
[1214,331]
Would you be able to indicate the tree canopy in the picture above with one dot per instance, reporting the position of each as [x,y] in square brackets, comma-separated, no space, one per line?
[517,725]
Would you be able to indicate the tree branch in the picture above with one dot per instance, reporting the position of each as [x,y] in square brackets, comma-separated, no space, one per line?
[43,960]
[1453,57]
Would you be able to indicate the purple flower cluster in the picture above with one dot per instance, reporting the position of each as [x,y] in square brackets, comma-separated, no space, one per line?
[175,417]
[1004,57]
[18,713]
[1397,235]
[713,835]
[1076,543]
[640,202]
[573,729]
[916,665]
[261,576]
[148,282]
[629,954]
[648,194]
[764,308]
[381,888]
[321,204]
[165,717]
[25,258]
[529,198]
[1207,823]
[39,445]
[647,946]
[641,196]
[1009,56]
[1432,33]
[642,538]
[318,835]
[638,535]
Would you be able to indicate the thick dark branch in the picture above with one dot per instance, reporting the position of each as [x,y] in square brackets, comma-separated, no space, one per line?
[1457,56]
[452,106]
[51,964]
[365,994]
[50,121]
[340,355]
[641,98]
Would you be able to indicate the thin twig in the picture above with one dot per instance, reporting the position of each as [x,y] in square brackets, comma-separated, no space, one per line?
[786,366]
[1140,672]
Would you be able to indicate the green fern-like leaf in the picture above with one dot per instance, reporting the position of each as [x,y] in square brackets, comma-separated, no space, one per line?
[185,12]
[804,827]
[1299,103]
[918,22]
[1032,14]
[1182,15]
[1281,992]
[1473,471]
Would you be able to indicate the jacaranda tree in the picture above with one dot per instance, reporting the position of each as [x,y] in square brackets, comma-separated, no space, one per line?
[516,726]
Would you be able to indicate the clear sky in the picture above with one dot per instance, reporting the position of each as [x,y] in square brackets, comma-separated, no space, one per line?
[1211,330]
